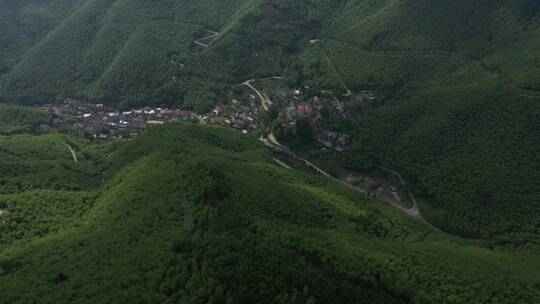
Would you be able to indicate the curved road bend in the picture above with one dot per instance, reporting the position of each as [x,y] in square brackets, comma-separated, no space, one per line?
[265,101]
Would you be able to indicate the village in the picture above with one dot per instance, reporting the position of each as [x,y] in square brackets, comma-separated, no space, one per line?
[250,114]
[98,121]
[285,107]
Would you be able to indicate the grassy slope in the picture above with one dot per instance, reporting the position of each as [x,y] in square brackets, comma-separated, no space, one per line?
[208,217]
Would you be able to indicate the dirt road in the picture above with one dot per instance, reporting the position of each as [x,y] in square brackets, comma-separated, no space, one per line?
[73,154]
[414,210]
[212,35]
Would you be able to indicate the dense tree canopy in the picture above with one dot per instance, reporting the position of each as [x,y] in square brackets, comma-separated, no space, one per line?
[190,214]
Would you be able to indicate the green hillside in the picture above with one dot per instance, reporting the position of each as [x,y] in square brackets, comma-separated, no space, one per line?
[457,82]
[460,87]
[111,50]
[16,119]
[190,214]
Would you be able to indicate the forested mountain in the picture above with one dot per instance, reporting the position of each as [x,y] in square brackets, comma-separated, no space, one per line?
[192,214]
[130,50]
[457,114]
[99,48]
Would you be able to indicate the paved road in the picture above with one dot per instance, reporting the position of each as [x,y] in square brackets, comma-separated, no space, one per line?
[265,101]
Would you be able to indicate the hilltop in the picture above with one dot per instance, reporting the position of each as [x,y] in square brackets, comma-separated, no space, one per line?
[190,214]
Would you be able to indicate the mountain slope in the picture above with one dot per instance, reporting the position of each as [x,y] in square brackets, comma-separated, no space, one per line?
[90,51]
[191,214]
[458,82]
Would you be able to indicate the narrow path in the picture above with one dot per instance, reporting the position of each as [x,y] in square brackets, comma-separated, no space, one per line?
[73,154]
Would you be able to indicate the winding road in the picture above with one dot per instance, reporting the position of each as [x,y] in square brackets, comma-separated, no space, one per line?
[414,211]
[265,101]
[272,143]
[212,35]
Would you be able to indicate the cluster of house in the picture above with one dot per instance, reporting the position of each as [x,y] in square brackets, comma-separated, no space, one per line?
[239,116]
[102,122]
[300,107]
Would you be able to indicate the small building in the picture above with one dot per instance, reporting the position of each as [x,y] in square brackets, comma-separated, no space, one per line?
[183,115]
[155,122]
[218,109]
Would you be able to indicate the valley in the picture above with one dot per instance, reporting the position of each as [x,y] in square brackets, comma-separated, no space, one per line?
[276,151]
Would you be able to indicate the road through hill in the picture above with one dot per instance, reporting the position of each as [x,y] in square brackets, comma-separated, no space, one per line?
[265,101]
[271,142]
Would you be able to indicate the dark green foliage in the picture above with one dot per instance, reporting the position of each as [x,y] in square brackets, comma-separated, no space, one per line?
[191,214]
[37,213]
[114,51]
[456,84]
[15,119]
[44,162]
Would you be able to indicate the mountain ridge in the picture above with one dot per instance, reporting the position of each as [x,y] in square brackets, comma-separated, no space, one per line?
[195,214]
